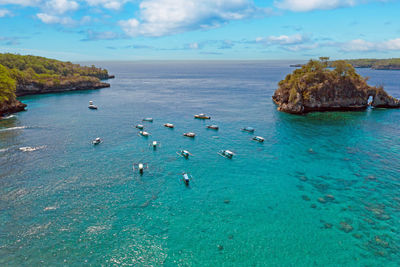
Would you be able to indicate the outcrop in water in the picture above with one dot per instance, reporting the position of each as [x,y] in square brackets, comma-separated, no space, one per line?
[315,87]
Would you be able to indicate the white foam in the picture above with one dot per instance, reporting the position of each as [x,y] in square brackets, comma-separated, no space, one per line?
[8,117]
[13,128]
[30,149]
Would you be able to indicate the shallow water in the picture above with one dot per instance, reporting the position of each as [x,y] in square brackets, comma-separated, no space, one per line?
[286,202]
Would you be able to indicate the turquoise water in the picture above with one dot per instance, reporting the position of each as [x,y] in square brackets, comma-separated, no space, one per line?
[277,203]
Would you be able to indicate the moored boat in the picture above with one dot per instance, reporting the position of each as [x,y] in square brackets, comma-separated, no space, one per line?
[226,153]
[148,119]
[213,127]
[186,178]
[248,129]
[184,153]
[190,134]
[169,125]
[258,138]
[139,126]
[202,116]
[144,133]
[96,141]
[91,106]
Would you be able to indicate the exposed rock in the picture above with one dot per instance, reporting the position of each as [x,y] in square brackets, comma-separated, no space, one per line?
[358,236]
[330,197]
[11,107]
[321,200]
[314,87]
[345,227]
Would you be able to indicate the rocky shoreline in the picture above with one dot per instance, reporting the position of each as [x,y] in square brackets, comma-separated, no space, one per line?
[34,88]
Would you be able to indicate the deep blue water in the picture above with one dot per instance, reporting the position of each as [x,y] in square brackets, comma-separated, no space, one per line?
[281,203]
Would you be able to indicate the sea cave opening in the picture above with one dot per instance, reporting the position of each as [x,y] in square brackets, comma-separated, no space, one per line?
[370,100]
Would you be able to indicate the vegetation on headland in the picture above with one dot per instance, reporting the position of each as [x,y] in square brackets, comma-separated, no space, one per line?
[377,64]
[20,75]
[321,85]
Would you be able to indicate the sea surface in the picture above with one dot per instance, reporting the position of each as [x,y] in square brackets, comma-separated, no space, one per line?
[322,190]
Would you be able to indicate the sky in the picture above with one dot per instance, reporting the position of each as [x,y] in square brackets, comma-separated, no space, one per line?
[82,30]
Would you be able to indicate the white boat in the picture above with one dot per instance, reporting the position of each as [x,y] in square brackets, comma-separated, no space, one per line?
[148,119]
[144,133]
[96,141]
[213,127]
[91,106]
[190,134]
[248,129]
[139,126]
[140,167]
[226,153]
[169,125]
[186,178]
[184,153]
[258,138]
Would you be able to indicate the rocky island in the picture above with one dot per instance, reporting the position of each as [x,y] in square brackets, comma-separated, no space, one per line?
[27,75]
[315,87]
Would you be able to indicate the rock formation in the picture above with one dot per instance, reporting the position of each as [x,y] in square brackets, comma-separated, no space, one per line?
[11,107]
[34,88]
[315,87]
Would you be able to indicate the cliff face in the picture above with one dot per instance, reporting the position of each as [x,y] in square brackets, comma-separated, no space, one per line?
[33,88]
[314,87]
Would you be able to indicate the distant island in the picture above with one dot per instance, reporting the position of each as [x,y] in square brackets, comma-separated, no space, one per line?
[321,85]
[26,75]
[376,64]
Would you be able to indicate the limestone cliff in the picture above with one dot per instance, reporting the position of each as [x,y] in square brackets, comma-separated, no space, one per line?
[315,87]
[33,88]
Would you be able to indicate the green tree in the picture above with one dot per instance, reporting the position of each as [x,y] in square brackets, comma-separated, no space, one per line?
[7,85]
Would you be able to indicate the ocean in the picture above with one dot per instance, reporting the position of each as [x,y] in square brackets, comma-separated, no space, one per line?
[322,190]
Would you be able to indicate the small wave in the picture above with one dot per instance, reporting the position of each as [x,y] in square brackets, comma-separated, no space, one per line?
[13,128]
[8,117]
[50,208]
[30,149]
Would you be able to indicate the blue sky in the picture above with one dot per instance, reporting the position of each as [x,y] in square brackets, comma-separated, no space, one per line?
[80,30]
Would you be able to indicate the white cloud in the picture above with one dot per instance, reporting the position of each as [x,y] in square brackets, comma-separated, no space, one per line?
[308,5]
[109,4]
[194,46]
[53,19]
[5,12]
[283,39]
[360,45]
[164,17]
[60,6]
[20,2]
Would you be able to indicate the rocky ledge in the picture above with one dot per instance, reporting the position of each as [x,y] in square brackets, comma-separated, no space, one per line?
[11,107]
[315,87]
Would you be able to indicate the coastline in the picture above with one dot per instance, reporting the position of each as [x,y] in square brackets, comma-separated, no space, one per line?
[35,88]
